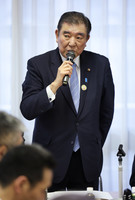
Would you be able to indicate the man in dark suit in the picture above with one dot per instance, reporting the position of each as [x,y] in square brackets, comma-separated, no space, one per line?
[71,121]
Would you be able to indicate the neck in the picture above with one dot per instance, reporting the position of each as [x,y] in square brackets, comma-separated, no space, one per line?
[6,194]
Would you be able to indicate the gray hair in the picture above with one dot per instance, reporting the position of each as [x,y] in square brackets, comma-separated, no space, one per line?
[10,128]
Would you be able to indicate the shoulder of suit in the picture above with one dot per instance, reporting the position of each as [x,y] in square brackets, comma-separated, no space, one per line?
[94,55]
[42,57]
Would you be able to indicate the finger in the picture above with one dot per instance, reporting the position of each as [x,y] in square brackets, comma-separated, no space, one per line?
[67,66]
[68,62]
[67,72]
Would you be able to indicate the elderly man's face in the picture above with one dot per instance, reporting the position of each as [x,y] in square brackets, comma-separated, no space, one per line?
[72,37]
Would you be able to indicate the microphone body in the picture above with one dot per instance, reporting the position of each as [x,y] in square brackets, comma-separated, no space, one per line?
[70,56]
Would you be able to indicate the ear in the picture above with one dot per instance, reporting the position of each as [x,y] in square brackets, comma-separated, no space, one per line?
[57,35]
[88,38]
[21,184]
[3,151]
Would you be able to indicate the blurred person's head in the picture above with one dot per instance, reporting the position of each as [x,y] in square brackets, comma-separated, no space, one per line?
[11,132]
[25,173]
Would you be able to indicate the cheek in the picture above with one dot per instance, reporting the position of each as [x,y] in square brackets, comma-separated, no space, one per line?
[49,181]
[20,141]
[81,47]
[38,195]
[62,43]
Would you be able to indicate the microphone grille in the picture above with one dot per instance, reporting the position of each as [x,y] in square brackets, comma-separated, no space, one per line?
[70,54]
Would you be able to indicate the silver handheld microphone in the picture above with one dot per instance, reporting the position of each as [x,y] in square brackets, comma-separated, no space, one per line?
[70,56]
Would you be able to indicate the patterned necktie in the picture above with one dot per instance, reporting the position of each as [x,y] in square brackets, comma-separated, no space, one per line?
[74,88]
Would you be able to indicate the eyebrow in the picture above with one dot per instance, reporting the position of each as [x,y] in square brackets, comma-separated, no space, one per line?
[67,32]
[82,34]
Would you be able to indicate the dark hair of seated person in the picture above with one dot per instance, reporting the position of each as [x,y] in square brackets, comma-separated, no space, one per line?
[26,160]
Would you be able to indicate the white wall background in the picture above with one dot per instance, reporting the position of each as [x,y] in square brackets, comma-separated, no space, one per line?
[27,29]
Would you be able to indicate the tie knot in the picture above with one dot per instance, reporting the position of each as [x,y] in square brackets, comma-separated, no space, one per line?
[74,65]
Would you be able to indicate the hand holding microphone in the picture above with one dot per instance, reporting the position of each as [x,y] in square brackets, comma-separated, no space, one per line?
[64,72]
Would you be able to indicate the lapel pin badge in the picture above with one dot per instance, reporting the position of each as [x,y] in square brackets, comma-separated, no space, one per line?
[84,87]
[86,80]
[88,69]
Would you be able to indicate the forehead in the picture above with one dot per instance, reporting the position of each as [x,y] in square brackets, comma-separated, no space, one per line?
[73,28]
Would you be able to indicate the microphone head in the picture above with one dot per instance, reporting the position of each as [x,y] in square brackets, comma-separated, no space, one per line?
[70,55]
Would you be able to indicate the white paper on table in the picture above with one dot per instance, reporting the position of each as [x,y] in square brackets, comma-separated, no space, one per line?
[102,195]
[73,195]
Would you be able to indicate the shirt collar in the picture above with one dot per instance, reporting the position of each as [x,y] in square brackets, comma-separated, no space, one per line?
[76,60]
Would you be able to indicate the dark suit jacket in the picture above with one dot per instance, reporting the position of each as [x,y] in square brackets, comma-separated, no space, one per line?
[132,178]
[58,123]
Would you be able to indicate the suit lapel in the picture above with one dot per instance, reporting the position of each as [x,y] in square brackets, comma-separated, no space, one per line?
[85,83]
[66,92]
[56,62]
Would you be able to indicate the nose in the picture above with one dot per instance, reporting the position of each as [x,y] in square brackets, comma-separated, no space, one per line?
[72,42]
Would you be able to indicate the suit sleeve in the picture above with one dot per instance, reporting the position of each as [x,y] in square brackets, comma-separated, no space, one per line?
[107,102]
[34,100]
[132,178]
